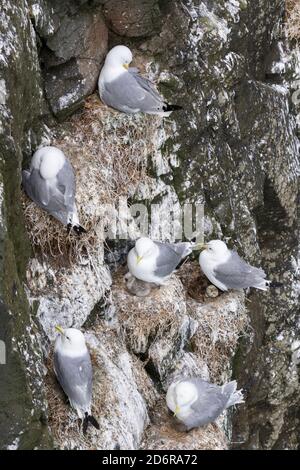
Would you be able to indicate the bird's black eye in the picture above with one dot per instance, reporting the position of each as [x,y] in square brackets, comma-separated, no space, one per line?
[68,338]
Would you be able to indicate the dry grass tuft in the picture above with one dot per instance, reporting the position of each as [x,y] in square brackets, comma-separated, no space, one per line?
[147,320]
[222,321]
[292,23]
[163,434]
[109,152]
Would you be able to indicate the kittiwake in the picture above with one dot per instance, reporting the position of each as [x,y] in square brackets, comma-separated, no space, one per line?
[73,369]
[124,89]
[154,262]
[226,270]
[196,402]
[50,183]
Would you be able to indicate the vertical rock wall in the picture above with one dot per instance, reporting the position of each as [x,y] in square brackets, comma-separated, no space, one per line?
[233,148]
[22,408]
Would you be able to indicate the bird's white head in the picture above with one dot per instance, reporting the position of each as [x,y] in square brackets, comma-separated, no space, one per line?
[49,161]
[119,56]
[144,247]
[216,249]
[181,396]
[71,341]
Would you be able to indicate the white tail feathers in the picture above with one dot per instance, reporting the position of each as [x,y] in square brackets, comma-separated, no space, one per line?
[264,284]
[73,217]
[236,396]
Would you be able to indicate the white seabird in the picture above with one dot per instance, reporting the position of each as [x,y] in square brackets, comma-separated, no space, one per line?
[124,89]
[226,270]
[196,402]
[50,183]
[154,262]
[73,369]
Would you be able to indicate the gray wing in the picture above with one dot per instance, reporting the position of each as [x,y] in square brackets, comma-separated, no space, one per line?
[66,186]
[237,274]
[58,200]
[210,404]
[145,84]
[75,376]
[131,94]
[169,257]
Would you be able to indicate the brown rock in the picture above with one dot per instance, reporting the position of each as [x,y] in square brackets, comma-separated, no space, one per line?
[133,18]
[73,60]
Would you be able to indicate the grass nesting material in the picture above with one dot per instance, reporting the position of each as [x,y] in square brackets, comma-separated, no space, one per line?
[292,22]
[108,151]
[146,320]
[221,324]
[164,435]
[221,321]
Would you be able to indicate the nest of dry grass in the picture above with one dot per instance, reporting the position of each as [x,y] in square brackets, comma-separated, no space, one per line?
[109,153]
[148,319]
[292,22]
[220,322]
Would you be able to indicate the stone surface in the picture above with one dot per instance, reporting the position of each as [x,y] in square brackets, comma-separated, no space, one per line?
[72,58]
[136,354]
[23,423]
[233,147]
[133,18]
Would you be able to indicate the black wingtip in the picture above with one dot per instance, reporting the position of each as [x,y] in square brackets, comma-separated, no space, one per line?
[78,229]
[93,421]
[85,423]
[274,284]
[89,419]
[171,107]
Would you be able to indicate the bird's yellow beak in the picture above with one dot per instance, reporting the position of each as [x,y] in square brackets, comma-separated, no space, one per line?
[60,330]
[138,259]
[177,410]
[126,66]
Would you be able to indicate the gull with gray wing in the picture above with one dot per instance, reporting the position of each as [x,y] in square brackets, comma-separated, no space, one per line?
[50,183]
[154,262]
[73,369]
[124,89]
[226,270]
[196,402]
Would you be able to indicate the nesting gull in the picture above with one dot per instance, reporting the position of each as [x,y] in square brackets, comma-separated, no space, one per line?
[50,183]
[73,369]
[124,89]
[154,262]
[226,270]
[196,402]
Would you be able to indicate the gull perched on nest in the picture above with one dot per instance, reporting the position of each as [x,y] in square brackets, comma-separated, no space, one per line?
[124,89]
[154,262]
[196,402]
[226,270]
[50,183]
[73,369]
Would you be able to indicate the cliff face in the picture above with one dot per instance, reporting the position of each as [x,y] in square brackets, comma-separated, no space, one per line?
[233,148]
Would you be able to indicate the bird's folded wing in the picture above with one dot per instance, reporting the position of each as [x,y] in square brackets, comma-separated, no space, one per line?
[145,84]
[66,186]
[236,273]
[75,377]
[167,259]
[128,94]
[210,403]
